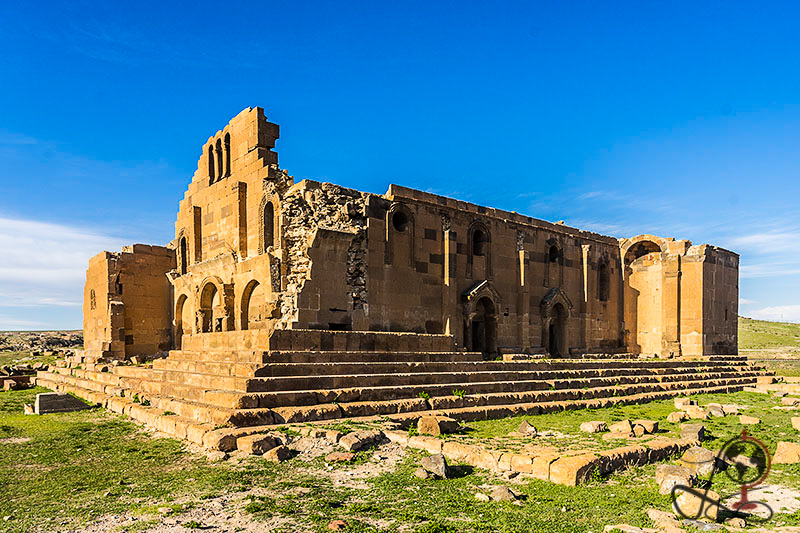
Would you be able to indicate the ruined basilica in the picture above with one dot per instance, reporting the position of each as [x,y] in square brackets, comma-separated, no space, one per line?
[255,252]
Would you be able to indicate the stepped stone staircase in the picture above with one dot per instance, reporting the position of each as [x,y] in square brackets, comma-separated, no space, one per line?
[211,395]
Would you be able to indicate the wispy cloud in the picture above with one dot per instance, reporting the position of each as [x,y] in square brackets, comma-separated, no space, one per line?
[44,264]
[780,313]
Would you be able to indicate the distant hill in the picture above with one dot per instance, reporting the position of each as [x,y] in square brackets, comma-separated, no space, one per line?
[768,336]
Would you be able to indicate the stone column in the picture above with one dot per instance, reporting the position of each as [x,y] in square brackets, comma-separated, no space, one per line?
[586,304]
[671,306]
[524,296]
[449,304]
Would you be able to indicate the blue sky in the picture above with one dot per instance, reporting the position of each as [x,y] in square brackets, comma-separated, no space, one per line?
[670,118]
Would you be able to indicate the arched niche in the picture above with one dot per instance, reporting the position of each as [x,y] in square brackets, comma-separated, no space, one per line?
[400,236]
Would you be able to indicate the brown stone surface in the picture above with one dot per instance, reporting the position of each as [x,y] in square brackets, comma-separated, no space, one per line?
[749,420]
[436,425]
[573,470]
[698,504]
[787,453]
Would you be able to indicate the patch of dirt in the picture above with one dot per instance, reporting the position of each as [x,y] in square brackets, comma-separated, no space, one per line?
[779,498]
[15,440]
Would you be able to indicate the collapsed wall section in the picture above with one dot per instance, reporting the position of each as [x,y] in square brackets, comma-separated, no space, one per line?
[127,302]
[323,233]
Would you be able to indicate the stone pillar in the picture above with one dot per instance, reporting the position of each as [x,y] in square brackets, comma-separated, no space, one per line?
[671,306]
[241,192]
[586,313]
[449,320]
[523,300]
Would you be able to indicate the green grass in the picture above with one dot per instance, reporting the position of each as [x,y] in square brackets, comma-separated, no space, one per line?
[12,358]
[763,335]
[79,466]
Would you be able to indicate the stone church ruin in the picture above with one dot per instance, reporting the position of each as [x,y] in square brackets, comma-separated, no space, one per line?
[285,302]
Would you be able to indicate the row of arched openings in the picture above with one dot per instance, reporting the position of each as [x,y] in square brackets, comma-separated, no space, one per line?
[219,159]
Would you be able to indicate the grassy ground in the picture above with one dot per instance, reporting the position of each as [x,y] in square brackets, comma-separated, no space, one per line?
[763,335]
[78,467]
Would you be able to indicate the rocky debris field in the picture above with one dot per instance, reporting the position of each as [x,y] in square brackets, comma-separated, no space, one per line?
[48,343]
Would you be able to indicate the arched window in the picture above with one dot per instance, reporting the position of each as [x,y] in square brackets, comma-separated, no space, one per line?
[553,254]
[603,282]
[480,242]
[400,221]
[269,225]
[183,259]
[227,154]
[220,156]
[211,174]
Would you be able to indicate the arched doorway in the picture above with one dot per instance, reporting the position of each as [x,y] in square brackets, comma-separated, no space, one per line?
[483,327]
[180,325]
[209,300]
[253,300]
[557,331]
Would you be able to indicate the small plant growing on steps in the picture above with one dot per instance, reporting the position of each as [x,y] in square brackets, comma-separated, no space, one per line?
[424,395]
[459,392]
[168,413]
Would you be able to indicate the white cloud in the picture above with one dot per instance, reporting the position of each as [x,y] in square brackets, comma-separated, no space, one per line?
[779,313]
[745,301]
[771,243]
[44,264]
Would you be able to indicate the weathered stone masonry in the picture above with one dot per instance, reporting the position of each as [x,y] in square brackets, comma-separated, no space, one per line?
[255,251]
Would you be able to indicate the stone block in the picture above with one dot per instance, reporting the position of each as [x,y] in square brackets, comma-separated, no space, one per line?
[573,470]
[436,464]
[695,432]
[623,426]
[278,454]
[696,503]
[787,453]
[668,476]
[749,420]
[436,425]
[796,422]
[677,416]
[257,444]
[594,427]
[54,402]
[360,440]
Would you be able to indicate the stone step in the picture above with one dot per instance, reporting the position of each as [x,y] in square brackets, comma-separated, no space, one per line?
[497,406]
[295,383]
[329,369]
[445,391]
[318,356]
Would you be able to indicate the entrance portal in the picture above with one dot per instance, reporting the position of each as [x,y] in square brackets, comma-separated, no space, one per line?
[557,331]
[484,327]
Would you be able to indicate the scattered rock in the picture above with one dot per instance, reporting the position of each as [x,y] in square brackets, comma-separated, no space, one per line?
[749,420]
[697,504]
[696,413]
[623,426]
[436,465]
[482,497]
[650,426]
[359,440]
[436,425]
[701,461]
[664,521]
[736,522]
[336,525]
[730,409]
[28,409]
[340,457]
[503,494]
[693,431]
[278,454]
[780,394]
[526,429]
[594,426]
[677,416]
[422,473]
[10,384]
[257,444]
[215,456]
[639,430]
[668,476]
[165,510]
[796,422]
[716,411]
[787,453]
[612,435]
[790,401]
[682,403]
